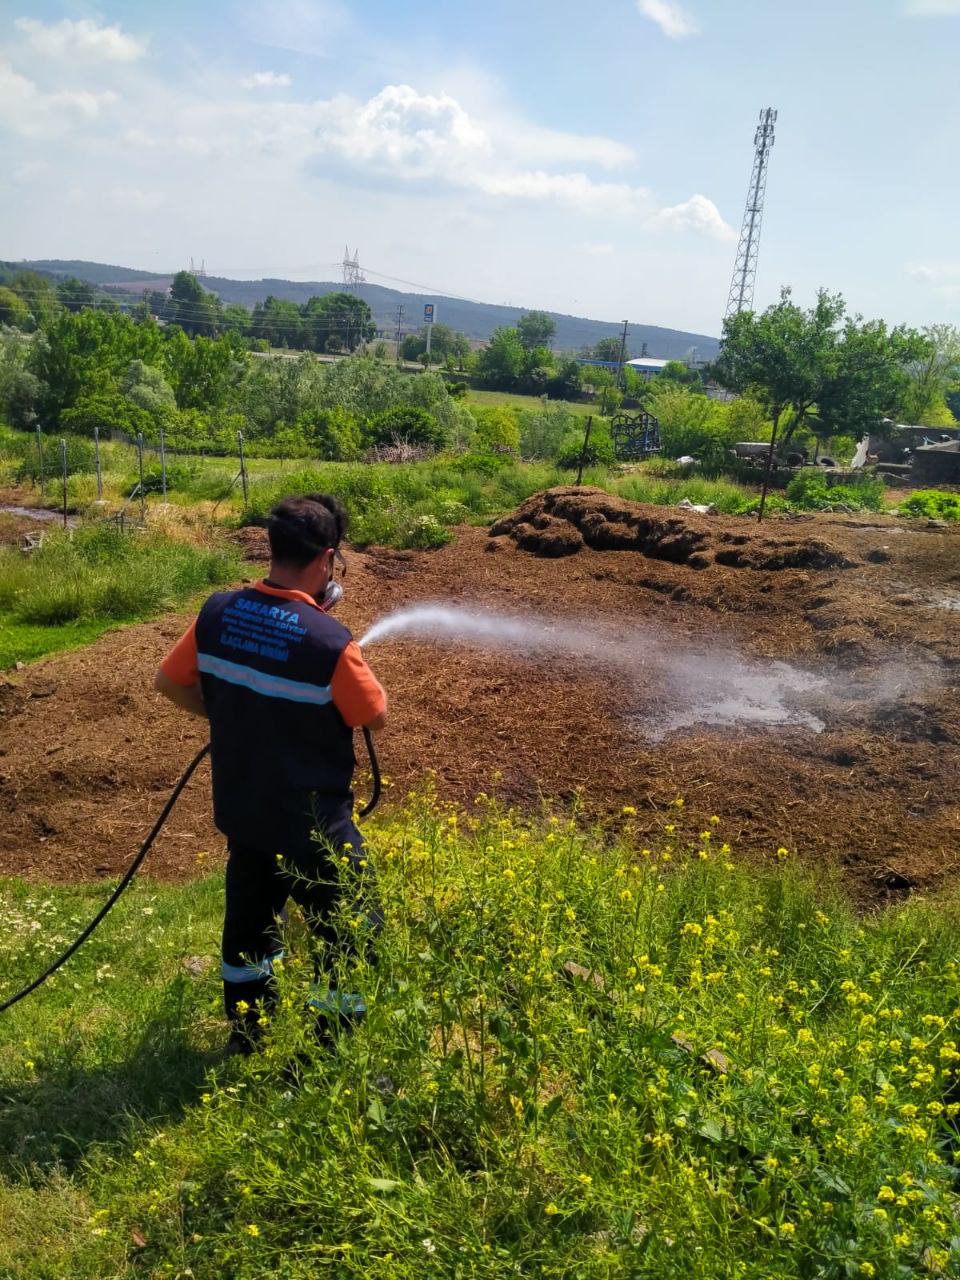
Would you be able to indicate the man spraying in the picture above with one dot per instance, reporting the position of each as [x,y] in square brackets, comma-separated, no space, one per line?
[283,686]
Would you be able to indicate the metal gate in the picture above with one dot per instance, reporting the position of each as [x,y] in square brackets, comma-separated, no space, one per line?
[634,436]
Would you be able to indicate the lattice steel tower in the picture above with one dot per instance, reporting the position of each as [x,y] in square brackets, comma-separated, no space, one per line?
[745,271]
[352,274]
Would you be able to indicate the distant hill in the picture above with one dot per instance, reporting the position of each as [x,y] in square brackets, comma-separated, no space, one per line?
[477,320]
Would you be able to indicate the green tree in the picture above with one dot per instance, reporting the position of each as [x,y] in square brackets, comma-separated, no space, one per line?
[931,376]
[13,310]
[236,319]
[108,411]
[145,386]
[567,382]
[76,294]
[191,307]
[88,352]
[204,372]
[500,362]
[413,347]
[781,358]
[869,377]
[279,322]
[444,343]
[340,316]
[37,292]
[607,349]
[536,329]
[19,389]
[676,371]
[835,376]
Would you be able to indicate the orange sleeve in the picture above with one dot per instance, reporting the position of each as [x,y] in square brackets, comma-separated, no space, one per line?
[357,693]
[180,664]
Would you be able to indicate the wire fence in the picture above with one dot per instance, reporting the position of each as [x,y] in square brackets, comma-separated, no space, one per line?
[138,493]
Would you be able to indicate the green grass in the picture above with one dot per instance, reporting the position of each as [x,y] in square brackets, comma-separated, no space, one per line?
[515,400]
[23,642]
[75,587]
[662,491]
[494,1118]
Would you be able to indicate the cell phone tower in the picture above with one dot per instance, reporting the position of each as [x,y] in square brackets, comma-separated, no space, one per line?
[745,270]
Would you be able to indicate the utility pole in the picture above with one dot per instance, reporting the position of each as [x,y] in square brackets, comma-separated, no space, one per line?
[745,268]
[429,315]
[399,329]
[623,351]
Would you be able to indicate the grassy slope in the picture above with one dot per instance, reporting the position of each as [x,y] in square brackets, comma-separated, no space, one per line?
[532,1126]
[74,588]
[518,401]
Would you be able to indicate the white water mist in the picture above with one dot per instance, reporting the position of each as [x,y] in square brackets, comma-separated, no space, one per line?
[716,688]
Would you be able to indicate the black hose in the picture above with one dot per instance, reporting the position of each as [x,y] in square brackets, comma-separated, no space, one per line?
[134,866]
[128,875]
[374,800]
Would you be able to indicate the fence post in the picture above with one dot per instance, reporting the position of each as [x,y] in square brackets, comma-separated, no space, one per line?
[163,468]
[243,467]
[583,451]
[96,452]
[63,470]
[40,456]
[143,496]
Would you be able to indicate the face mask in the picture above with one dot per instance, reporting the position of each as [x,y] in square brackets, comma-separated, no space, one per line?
[330,597]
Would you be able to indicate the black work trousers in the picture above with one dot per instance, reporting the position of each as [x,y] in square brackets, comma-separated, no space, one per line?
[259,882]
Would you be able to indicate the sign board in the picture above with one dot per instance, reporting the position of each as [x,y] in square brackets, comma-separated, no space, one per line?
[428,313]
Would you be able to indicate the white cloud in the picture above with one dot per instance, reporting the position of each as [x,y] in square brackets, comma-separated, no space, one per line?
[312,27]
[83,37]
[941,279]
[696,214]
[404,135]
[27,110]
[139,198]
[266,80]
[600,249]
[29,170]
[672,20]
[429,143]
[933,8]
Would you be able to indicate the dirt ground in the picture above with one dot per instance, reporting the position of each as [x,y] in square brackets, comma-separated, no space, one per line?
[88,752]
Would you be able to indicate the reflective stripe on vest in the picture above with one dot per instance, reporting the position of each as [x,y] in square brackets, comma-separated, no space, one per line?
[250,972]
[260,682]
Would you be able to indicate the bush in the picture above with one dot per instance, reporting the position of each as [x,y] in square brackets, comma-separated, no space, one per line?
[932,503]
[544,433]
[810,490]
[693,424]
[404,422]
[496,429]
[487,464]
[599,452]
[179,476]
[80,457]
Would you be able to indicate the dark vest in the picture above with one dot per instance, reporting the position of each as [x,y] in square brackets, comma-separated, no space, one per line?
[281,754]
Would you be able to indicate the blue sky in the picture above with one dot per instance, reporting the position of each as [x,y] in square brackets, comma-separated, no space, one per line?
[590,159]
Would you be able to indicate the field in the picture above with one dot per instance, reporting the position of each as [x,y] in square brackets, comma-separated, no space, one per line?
[517,401]
[669,987]
[88,748]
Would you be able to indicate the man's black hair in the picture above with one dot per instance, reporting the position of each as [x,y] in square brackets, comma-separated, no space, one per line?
[302,528]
